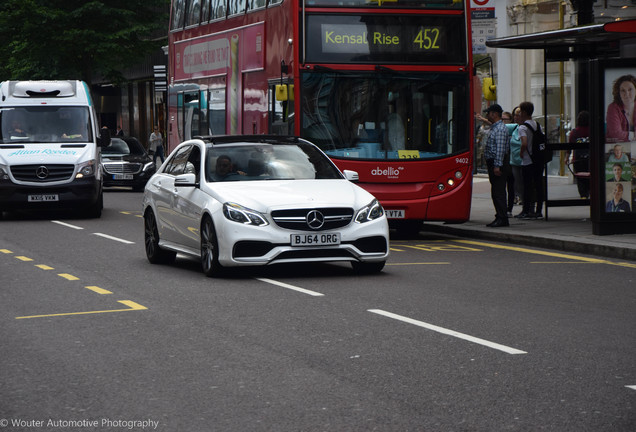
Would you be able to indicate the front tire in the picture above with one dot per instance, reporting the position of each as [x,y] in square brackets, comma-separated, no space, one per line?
[154,253]
[209,249]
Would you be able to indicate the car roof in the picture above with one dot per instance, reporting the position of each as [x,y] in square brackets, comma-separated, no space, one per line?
[244,139]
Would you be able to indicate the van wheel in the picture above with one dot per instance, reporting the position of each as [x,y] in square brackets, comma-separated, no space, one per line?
[367,267]
[209,249]
[95,210]
[154,253]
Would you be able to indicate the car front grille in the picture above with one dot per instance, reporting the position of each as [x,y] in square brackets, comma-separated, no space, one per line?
[122,168]
[313,219]
[42,173]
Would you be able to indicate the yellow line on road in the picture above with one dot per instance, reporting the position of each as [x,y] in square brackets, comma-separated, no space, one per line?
[419,263]
[132,306]
[44,267]
[6,251]
[68,276]
[98,290]
[23,258]
[551,254]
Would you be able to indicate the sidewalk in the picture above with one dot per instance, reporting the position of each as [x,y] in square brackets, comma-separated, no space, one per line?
[567,228]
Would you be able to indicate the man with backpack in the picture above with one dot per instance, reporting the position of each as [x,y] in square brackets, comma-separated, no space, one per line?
[531,168]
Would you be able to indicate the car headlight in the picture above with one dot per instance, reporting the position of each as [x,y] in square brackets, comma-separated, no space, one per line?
[148,166]
[371,212]
[240,214]
[87,169]
[4,172]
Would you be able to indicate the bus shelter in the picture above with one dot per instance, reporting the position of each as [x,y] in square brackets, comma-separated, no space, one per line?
[605,57]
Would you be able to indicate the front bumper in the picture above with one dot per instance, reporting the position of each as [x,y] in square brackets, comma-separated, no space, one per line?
[78,193]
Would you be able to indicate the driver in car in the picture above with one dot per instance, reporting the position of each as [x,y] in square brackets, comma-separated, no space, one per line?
[225,169]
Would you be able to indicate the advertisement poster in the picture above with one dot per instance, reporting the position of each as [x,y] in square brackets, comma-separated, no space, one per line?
[619,155]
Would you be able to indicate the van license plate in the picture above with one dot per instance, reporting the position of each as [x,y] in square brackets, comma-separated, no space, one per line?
[394,214]
[43,198]
[324,239]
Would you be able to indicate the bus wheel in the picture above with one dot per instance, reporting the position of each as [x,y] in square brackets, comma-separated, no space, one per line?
[408,228]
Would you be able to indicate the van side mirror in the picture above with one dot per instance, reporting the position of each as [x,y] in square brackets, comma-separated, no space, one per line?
[104,137]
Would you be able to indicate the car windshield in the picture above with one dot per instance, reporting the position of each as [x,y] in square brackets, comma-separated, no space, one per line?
[122,147]
[242,162]
[44,124]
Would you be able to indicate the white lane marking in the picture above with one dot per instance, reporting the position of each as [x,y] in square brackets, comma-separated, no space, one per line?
[448,332]
[633,387]
[67,225]
[291,287]
[114,238]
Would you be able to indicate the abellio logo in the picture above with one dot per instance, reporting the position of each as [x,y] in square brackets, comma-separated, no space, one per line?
[389,172]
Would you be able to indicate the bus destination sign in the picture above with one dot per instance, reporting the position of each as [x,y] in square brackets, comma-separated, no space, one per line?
[382,38]
[364,40]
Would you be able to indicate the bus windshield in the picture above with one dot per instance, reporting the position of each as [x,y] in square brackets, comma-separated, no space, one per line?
[44,124]
[385,115]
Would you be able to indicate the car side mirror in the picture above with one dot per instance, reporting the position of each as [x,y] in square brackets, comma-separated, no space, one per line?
[104,138]
[186,180]
[352,176]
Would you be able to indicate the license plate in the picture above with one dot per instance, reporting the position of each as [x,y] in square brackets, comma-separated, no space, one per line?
[394,214]
[323,239]
[122,177]
[43,198]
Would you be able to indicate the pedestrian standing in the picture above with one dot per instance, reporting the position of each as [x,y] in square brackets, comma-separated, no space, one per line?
[506,117]
[532,172]
[515,156]
[497,155]
[156,145]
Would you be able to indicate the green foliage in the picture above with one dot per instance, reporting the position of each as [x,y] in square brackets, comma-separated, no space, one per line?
[78,39]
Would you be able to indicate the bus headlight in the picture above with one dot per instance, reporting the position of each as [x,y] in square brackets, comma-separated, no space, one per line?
[371,212]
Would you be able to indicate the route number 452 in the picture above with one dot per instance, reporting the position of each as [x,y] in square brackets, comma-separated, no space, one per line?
[427,38]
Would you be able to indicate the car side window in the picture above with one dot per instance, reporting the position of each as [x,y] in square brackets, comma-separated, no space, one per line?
[177,165]
[193,165]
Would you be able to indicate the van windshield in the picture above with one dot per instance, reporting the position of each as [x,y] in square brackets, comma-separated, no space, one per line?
[44,124]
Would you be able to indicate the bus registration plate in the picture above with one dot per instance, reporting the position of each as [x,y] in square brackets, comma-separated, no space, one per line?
[394,214]
[43,198]
[323,239]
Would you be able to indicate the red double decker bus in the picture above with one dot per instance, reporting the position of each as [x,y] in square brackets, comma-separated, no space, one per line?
[382,86]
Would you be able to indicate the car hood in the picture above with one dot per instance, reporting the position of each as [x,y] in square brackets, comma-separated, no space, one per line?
[268,195]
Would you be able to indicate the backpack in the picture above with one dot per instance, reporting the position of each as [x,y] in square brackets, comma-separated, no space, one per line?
[540,153]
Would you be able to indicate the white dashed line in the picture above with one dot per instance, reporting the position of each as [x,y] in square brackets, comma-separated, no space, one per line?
[67,225]
[291,287]
[114,238]
[449,332]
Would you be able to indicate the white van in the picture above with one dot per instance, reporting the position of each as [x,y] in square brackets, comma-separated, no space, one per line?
[49,147]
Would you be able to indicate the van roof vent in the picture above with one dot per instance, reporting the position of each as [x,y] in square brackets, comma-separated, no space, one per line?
[43,89]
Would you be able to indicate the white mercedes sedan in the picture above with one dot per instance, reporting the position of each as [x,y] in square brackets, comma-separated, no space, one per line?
[258,200]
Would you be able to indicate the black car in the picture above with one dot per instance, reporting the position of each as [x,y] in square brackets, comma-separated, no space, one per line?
[126,163]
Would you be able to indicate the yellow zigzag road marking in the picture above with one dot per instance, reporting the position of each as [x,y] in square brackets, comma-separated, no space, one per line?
[132,306]
[551,254]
